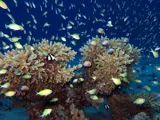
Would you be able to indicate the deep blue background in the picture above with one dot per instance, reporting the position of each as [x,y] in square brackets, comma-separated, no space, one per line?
[142,26]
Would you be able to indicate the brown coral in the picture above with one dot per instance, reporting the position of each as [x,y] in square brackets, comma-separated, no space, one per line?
[123,109]
[151,100]
[44,74]
[104,66]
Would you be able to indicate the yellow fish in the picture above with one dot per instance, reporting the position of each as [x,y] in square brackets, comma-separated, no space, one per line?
[10,93]
[3,5]
[123,74]
[147,88]
[14,26]
[94,97]
[6,85]
[46,112]
[138,81]
[139,101]
[18,45]
[44,92]
[75,36]
[91,92]
[3,71]
[54,100]
[116,81]
[155,53]
[15,39]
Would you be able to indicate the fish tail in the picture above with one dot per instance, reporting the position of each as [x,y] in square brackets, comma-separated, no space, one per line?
[42,116]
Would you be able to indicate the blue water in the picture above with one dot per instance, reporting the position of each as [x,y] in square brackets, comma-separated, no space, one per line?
[141,27]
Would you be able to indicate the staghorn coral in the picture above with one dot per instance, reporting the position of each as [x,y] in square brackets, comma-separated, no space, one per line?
[104,66]
[58,75]
[151,100]
[31,61]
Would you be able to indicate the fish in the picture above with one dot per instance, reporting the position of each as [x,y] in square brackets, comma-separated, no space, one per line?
[104,42]
[139,101]
[10,93]
[81,79]
[116,81]
[6,85]
[92,92]
[157,68]
[63,39]
[44,92]
[155,53]
[138,81]
[87,64]
[157,48]
[106,106]
[75,80]
[50,57]
[100,31]
[75,36]
[155,82]
[125,80]
[18,45]
[3,71]
[109,24]
[123,74]
[23,88]
[147,88]
[46,112]
[71,85]
[54,100]
[93,43]
[110,50]
[14,26]
[15,39]
[94,97]
[27,76]
[3,5]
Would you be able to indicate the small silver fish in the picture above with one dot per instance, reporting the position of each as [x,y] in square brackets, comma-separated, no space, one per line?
[23,88]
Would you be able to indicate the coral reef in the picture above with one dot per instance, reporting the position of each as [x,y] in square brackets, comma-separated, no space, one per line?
[105,65]
[151,100]
[44,74]
[45,66]
[141,116]
[123,109]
